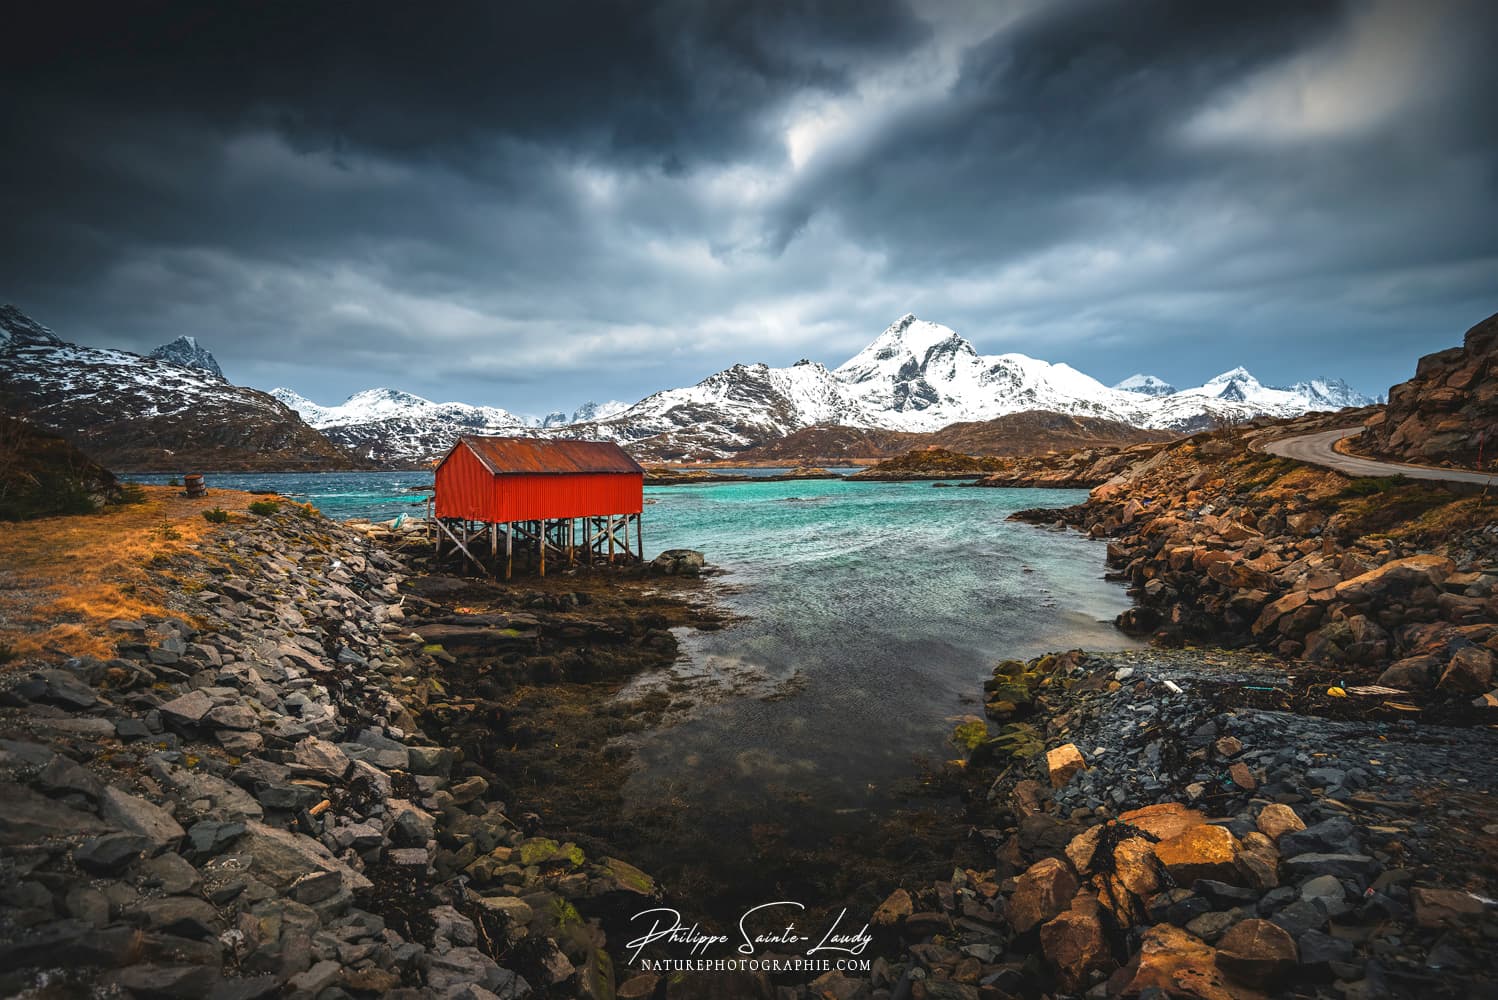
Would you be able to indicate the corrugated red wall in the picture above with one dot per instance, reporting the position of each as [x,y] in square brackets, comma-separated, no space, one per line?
[466,489]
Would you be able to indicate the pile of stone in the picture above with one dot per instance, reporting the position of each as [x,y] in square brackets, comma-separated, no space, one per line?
[1149,844]
[240,803]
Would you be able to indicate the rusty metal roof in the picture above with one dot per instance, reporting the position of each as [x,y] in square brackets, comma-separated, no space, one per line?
[514,456]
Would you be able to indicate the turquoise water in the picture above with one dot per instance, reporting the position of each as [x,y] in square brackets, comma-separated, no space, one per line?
[378,496]
[342,495]
[868,615]
[870,611]
[873,612]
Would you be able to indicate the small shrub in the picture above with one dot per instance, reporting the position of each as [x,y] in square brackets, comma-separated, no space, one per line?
[264,507]
[1367,486]
[216,516]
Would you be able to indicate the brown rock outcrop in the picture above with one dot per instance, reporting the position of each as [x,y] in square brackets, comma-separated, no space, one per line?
[1448,413]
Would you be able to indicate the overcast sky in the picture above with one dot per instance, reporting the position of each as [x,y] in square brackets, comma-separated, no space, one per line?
[532,204]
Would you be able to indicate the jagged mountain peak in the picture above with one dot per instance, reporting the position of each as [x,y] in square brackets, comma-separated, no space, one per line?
[19,330]
[187,352]
[139,413]
[907,346]
[1146,385]
[385,395]
[1239,374]
[599,411]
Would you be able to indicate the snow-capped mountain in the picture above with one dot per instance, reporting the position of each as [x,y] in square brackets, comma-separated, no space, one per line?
[922,376]
[1146,385]
[916,376]
[17,330]
[136,413]
[598,411]
[391,426]
[187,352]
[728,412]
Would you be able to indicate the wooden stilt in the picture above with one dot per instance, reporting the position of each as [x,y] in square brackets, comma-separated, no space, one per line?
[611,539]
[640,536]
[464,549]
[509,549]
[541,540]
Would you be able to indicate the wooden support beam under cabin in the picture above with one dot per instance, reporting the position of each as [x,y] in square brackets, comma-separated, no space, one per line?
[640,536]
[509,549]
[464,549]
[541,544]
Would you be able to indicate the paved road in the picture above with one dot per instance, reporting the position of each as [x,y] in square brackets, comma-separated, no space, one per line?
[1317,449]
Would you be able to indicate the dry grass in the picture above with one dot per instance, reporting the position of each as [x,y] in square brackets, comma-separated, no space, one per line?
[62,578]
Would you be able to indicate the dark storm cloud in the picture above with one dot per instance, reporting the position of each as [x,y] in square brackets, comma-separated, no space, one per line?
[528,204]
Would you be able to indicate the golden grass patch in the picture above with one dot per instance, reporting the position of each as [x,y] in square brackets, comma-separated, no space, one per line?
[63,578]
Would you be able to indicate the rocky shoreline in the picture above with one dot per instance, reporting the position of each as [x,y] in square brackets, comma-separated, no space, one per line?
[1152,835]
[254,804]
[337,772]
[1083,468]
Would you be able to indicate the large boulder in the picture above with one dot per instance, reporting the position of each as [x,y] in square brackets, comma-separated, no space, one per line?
[1469,672]
[1200,852]
[1257,952]
[1172,963]
[1042,892]
[1163,820]
[678,562]
[1074,944]
[1395,578]
[1063,763]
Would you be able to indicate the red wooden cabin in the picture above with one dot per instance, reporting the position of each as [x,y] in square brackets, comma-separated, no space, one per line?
[537,491]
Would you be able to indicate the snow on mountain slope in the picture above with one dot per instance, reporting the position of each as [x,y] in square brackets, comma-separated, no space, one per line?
[1146,385]
[135,413]
[18,330]
[916,376]
[726,412]
[1239,386]
[598,411]
[1331,394]
[921,376]
[187,352]
[391,426]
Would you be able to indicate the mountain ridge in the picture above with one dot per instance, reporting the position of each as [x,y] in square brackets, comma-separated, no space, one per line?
[140,413]
[917,377]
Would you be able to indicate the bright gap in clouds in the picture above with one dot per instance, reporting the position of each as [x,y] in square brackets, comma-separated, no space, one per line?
[1391,58]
